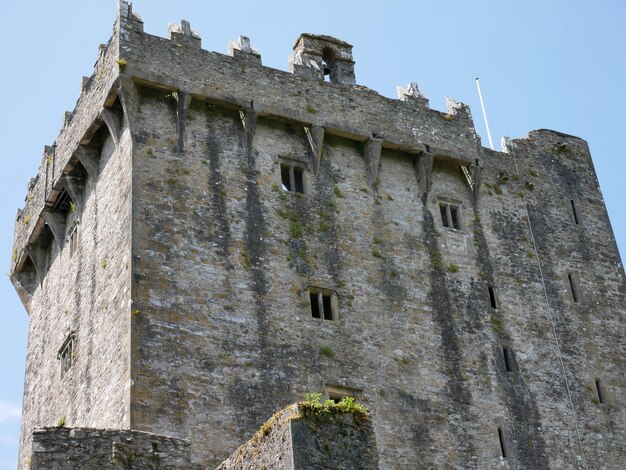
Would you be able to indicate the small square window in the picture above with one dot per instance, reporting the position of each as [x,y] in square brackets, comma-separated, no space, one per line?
[337,393]
[323,304]
[292,178]
[67,354]
[450,215]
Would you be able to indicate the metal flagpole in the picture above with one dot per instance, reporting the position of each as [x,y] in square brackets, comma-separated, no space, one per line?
[482,105]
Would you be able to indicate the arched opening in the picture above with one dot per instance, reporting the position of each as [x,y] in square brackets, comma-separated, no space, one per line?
[328,64]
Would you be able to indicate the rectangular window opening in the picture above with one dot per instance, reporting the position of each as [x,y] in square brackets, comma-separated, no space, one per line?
[501,440]
[292,178]
[573,286]
[599,391]
[72,238]
[315,308]
[492,298]
[284,176]
[574,212]
[450,215]
[322,304]
[337,393]
[456,220]
[66,354]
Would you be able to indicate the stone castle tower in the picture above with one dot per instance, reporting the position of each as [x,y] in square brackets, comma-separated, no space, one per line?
[210,239]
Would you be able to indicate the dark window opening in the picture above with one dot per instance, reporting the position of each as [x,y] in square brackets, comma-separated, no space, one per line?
[66,354]
[501,440]
[322,305]
[292,178]
[492,298]
[315,308]
[574,211]
[450,215]
[509,360]
[328,64]
[337,393]
[72,238]
[573,286]
[599,391]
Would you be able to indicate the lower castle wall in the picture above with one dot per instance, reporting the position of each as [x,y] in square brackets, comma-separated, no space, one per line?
[61,448]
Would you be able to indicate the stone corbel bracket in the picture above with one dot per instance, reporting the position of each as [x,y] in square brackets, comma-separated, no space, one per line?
[424,169]
[56,222]
[113,124]
[75,187]
[183,101]
[373,148]
[89,158]
[38,256]
[248,120]
[476,170]
[315,136]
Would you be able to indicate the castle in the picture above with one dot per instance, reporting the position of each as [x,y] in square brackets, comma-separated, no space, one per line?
[210,239]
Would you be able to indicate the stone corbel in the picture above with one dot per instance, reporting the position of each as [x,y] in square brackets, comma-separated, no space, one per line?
[248,120]
[38,256]
[56,223]
[476,175]
[424,168]
[373,147]
[315,136]
[89,157]
[183,101]
[75,187]
[113,124]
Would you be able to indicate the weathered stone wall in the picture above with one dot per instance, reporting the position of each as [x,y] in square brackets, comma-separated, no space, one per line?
[221,332]
[86,294]
[62,448]
[291,440]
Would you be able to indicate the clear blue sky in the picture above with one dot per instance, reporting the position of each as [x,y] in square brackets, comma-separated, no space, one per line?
[558,64]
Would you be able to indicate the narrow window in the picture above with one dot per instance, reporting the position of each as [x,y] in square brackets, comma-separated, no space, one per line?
[509,360]
[66,354]
[599,391]
[72,238]
[574,211]
[322,304]
[450,215]
[315,308]
[444,215]
[492,298]
[456,219]
[501,440]
[573,285]
[292,178]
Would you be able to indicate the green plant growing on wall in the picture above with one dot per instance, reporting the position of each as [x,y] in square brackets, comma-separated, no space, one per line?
[103,263]
[338,192]
[436,260]
[326,351]
[295,229]
[61,421]
[316,405]
[73,207]
[452,268]
[122,63]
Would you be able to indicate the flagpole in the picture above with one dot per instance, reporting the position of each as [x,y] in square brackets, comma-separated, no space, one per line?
[482,105]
